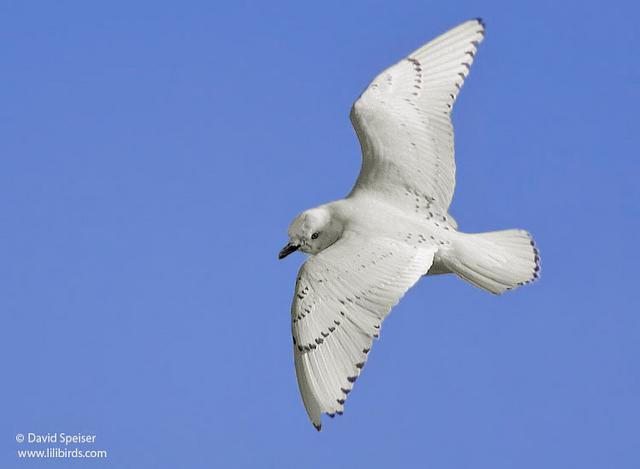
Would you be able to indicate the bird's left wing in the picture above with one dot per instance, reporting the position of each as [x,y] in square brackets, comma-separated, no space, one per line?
[404,126]
[342,296]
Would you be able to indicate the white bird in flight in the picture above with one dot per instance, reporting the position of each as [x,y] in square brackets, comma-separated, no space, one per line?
[393,228]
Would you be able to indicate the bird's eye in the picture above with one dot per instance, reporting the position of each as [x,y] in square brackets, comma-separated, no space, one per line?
[315,235]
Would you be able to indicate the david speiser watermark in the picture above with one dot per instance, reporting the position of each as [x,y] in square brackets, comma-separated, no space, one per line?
[58,445]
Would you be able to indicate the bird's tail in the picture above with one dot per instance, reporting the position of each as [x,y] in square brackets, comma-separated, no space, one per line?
[496,261]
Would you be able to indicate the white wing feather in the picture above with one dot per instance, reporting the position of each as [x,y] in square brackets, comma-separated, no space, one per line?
[403,122]
[342,296]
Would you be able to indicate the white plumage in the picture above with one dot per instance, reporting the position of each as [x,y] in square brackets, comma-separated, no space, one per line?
[368,249]
[403,120]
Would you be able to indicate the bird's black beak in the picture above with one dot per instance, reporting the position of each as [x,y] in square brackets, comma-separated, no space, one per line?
[288,249]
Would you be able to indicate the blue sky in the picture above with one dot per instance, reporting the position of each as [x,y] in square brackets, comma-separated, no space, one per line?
[152,155]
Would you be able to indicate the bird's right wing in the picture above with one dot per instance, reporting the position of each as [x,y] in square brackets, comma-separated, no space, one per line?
[342,296]
[404,126]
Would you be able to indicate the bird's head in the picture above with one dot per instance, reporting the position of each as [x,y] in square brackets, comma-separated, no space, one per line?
[312,231]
